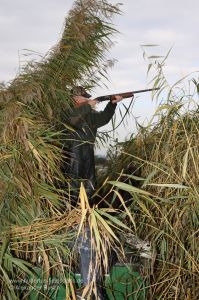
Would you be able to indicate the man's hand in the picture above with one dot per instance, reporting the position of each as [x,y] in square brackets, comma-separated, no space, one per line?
[117,98]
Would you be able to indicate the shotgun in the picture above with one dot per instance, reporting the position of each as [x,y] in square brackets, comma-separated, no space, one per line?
[124,95]
[110,97]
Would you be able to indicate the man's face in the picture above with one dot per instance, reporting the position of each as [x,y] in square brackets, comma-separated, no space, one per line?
[80,99]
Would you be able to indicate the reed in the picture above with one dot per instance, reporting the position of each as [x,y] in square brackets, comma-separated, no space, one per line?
[37,221]
[158,170]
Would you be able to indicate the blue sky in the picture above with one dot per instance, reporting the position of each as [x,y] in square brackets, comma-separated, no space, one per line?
[37,25]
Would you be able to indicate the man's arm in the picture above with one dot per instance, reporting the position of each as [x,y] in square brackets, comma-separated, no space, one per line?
[101,118]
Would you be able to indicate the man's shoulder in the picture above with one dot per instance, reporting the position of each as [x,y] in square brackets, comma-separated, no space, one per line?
[95,112]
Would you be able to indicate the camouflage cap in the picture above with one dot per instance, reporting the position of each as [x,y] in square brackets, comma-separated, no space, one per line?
[80,91]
